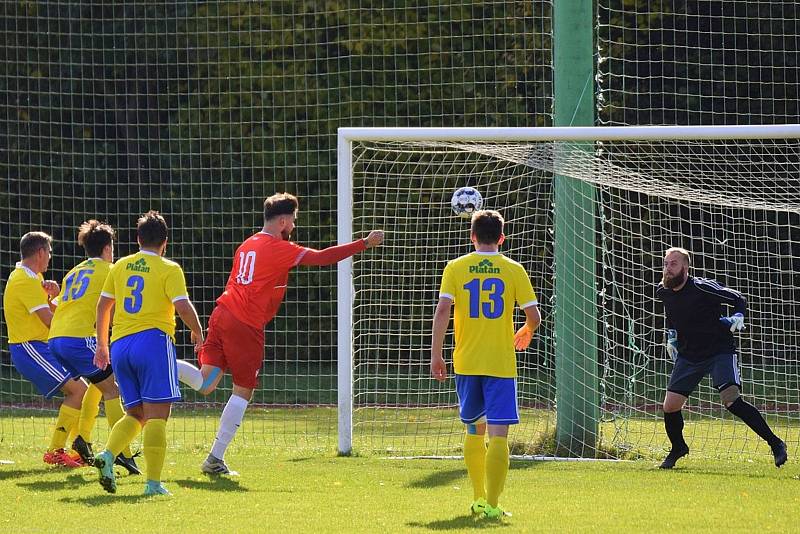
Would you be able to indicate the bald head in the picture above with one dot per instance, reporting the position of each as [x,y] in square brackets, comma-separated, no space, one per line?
[676,268]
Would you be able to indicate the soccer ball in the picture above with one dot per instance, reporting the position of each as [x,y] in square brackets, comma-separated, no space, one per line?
[466,201]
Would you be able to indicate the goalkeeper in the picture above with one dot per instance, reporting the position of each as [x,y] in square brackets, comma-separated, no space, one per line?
[700,341]
[484,286]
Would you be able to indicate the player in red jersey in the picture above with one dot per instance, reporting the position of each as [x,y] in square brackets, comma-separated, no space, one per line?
[252,296]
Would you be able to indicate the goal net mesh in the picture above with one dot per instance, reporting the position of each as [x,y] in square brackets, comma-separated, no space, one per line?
[734,204]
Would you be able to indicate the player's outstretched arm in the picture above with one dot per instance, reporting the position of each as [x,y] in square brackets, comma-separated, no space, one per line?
[101,355]
[523,337]
[337,253]
[441,319]
[188,315]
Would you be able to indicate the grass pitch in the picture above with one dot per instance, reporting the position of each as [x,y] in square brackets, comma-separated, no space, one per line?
[310,489]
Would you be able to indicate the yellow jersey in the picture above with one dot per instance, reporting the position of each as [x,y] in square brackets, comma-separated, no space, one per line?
[24,295]
[145,287]
[76,312]
[484,286]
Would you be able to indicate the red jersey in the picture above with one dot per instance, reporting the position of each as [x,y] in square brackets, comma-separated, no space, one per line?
[258,279]
[260,273]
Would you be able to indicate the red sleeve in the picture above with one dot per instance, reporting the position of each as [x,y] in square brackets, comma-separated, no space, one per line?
[331,255]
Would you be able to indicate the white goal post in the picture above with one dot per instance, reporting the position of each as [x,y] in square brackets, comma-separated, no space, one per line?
[649,187]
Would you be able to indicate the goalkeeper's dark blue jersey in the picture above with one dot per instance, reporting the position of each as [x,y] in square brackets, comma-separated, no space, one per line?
[695,312]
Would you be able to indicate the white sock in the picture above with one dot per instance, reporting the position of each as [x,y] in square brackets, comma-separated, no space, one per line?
[228,424]
[190,375]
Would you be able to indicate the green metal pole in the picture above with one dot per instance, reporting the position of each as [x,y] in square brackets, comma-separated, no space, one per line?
[575,307]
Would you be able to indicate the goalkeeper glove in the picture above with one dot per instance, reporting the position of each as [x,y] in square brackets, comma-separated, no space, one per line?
[672,344]
[734,322]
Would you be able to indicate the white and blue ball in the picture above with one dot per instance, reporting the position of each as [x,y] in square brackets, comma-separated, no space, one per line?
[466,201]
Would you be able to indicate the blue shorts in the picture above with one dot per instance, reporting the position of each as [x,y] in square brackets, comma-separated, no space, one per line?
[34,361]
[687,374]
[145,368]
[76,354]
[487,396]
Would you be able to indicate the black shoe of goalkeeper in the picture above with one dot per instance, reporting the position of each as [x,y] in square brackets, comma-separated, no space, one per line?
[84,450]
[672,458]
[128,463]
[779,453]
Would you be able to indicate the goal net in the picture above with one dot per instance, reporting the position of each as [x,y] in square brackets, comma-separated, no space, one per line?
[730,195]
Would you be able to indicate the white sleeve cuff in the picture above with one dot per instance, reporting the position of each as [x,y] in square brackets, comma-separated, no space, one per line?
[529,304]
[182,297]
[39,307]
[107,295]
[447,296]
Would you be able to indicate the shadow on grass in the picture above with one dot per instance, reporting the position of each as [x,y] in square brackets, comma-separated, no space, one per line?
[438,478]
[5,474]
[70,482]
[302,459]
[460,523]
[517,465]
[446,477]
[106,499]
[706,471]
[212,483]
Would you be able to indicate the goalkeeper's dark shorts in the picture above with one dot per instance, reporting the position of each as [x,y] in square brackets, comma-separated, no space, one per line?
[687,374]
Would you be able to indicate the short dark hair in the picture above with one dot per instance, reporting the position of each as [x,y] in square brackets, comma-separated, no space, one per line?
[280,204]
[31,242]
[487,226]
[94,236]
[151,229]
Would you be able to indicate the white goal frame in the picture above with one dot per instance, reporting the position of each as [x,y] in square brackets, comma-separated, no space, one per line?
[346,137]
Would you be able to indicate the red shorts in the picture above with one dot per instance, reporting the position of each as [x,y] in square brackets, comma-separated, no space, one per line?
[233,345]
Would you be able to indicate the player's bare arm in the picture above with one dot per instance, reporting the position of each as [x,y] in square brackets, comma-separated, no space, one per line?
[188,315]
[101,355]
[441,319]
[45,315]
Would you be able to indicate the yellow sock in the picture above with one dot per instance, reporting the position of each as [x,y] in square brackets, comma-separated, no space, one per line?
[67,417]
[496,468]
[90,407]
[114,413]
[122,434]
[73,432]
[154,445]
[475,458]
